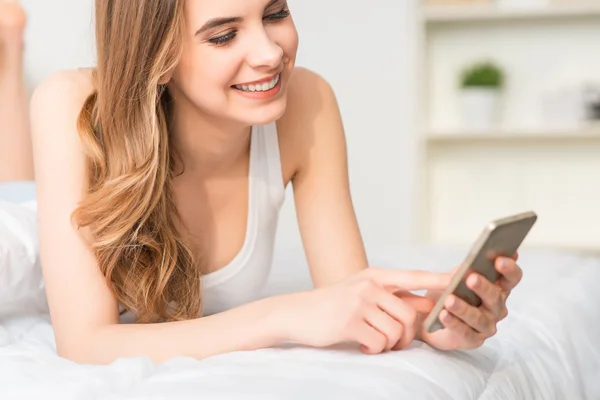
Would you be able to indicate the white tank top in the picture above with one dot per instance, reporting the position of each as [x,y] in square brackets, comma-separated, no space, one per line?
[242,279]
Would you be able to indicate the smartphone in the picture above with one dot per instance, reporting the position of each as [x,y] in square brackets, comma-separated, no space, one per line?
[500,238]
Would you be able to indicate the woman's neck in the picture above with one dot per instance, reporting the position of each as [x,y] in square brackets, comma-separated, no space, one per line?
[209,147]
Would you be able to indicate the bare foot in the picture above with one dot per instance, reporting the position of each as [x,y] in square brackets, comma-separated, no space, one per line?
[12,15]
[15,145]
[13,20]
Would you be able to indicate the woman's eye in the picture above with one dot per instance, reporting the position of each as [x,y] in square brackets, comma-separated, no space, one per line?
[278,16]
[219,40]
[224,39]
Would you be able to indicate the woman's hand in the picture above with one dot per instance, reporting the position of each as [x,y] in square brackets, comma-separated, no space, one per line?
[468,327]
[372,308]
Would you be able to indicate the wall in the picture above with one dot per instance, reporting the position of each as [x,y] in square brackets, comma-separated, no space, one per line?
[59,35]
[364,51]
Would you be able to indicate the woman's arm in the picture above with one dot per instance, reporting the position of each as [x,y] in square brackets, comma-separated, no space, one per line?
[83,308]
[315,140]
[15,144]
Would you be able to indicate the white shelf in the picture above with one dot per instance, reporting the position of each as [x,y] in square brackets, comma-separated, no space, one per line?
[513,135]
[481,13]
[466,178]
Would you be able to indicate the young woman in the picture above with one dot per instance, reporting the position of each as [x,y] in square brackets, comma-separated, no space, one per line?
[160,175]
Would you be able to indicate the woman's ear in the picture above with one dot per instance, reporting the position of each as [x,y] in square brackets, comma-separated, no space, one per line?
[165,78]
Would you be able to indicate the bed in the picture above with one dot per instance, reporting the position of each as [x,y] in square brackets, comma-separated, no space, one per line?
[546,348]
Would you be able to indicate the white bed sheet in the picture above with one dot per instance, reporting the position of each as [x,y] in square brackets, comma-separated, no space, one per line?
[546,349]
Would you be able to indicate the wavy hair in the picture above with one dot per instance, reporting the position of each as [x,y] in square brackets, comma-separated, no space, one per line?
[129,206]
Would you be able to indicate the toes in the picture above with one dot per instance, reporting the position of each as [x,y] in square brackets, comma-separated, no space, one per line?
[12,16]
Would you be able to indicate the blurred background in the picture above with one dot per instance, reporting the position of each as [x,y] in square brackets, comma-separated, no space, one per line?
[456,112]
[508,119]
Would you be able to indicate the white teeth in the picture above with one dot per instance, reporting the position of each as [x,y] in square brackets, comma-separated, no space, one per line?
[259,88]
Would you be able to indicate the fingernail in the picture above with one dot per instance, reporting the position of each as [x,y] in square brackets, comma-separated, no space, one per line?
[475,281]
[447,316]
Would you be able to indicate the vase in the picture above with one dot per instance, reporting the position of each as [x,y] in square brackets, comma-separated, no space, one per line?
[480,108]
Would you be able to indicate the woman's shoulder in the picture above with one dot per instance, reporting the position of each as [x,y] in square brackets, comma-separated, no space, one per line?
[311,110]
[72,83]
[64,89]
[309,95]
[306,87]
[58,100]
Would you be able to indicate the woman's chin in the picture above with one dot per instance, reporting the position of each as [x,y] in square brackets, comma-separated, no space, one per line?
[264,115]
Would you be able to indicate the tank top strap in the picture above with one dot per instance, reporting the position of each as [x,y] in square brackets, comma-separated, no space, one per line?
[269,154]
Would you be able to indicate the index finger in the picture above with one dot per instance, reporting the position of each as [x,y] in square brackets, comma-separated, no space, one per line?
[410,280]
[421,304]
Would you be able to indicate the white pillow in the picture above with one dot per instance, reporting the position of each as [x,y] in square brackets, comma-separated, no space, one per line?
[21,283]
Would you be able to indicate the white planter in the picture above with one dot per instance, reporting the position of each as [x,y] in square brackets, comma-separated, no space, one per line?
[480,108]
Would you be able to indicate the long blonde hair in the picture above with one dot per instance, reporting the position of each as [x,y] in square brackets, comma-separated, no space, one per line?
[124,125]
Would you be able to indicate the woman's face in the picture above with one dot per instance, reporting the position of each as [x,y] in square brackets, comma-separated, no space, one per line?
[237,59]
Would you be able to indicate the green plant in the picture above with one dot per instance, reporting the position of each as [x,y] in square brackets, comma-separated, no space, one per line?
[482,74]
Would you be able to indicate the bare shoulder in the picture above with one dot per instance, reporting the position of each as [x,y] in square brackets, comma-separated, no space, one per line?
[308,93]
[61,94]
[58,152]
[311,107]
[76,82]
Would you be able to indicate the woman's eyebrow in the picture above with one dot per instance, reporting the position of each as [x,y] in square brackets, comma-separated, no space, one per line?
[213,23]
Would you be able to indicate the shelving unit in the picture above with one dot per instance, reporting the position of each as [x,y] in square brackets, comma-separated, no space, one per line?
[515,136]
[481,13]
[468,178]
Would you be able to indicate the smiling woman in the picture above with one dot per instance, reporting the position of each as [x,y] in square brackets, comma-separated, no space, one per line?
[235,44]
[160,176]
